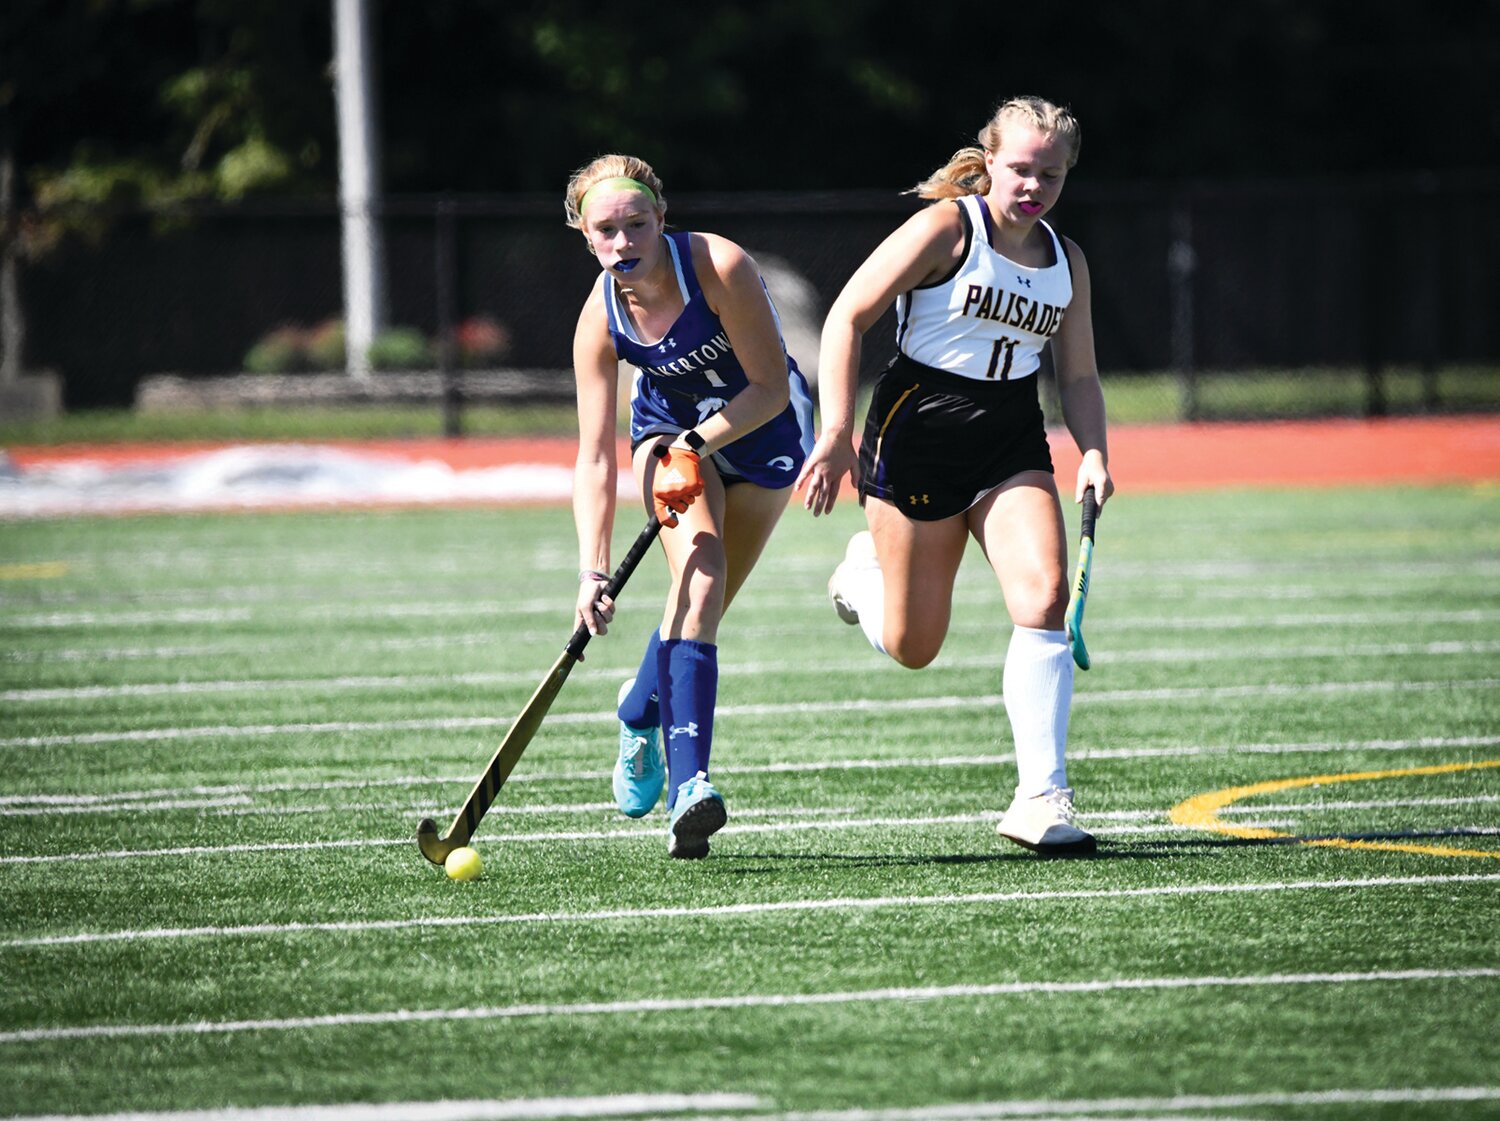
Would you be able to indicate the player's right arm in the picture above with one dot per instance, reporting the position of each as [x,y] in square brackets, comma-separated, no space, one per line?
[923,249]
[595,474]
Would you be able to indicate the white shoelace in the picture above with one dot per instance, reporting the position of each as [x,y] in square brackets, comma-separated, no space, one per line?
[634,756]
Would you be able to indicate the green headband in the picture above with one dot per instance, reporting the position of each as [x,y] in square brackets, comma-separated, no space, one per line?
[618,182]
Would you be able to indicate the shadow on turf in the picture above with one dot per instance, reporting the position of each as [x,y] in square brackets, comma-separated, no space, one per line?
[1108,850]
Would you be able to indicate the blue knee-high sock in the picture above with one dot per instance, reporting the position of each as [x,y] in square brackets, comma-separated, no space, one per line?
[640,709]
[688,682]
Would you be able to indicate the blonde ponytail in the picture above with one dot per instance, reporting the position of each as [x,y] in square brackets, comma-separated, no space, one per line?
[963,174]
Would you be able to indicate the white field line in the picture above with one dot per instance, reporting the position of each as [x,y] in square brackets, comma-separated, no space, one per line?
[1138,1109]
[975,587]
[640,833]
[620,833]
[607,717]
[739,910]
[213,616]
[1206,580]
[227,649]
[267,685]
[176,555]
[735,1105]
[467,610]
[1382,804]
[243,806]
[1158,655]
[515,1109]
[749,1000]
[1207,624]
[1424,743]
[322,613]
[702,1106]
[347,683]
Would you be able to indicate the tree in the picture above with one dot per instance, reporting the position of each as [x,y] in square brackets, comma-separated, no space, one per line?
[109,104]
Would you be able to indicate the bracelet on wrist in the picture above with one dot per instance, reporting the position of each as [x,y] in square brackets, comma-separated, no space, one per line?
[593,574]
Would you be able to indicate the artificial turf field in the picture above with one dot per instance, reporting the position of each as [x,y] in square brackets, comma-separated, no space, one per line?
[217,734]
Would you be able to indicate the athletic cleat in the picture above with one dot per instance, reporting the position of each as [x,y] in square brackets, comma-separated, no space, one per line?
[640,771]
[698,814]
[860,554]
[1045,825]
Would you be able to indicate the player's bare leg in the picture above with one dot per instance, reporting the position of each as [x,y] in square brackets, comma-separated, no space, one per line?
[918,564]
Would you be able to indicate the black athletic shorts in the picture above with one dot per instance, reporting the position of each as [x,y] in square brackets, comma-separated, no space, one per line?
[935,443]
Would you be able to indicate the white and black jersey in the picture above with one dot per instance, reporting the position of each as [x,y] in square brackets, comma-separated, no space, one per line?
[990,317]
[956,412]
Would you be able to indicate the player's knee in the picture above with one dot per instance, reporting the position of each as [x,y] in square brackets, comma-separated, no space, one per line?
[914,651]
[1040,603]
[700,595]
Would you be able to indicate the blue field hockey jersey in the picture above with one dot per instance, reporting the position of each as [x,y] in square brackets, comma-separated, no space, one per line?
[692,372]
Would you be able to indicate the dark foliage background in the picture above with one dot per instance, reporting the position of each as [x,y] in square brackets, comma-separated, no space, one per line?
[172,164]
[490,96]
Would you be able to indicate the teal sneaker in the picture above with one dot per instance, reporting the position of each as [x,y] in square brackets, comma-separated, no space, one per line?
[640,771]
[698,814]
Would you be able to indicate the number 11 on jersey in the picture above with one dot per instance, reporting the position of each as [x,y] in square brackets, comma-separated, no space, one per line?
[1004,346]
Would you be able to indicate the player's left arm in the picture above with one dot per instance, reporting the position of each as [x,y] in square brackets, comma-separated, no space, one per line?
[732,284]
[1078,384]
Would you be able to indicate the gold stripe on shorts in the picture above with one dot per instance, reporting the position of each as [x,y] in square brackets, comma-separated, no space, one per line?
[886,423]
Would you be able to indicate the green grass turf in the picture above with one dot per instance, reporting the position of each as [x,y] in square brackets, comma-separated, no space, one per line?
[231,686]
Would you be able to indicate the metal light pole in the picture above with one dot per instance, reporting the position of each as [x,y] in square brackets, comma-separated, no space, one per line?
[359,160]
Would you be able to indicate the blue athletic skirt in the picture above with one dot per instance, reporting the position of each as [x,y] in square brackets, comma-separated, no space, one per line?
[769,457]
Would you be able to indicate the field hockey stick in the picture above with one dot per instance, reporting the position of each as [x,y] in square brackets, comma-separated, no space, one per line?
[435,848]
[1080,596]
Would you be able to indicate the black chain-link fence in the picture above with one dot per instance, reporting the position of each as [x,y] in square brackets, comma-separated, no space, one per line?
[1209,300]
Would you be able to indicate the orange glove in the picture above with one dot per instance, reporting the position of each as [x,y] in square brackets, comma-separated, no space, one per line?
[676,482]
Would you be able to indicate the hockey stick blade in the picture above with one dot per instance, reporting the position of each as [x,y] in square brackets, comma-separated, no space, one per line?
[436,847]
[1074,617]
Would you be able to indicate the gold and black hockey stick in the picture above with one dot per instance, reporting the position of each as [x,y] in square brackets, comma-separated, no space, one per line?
[436,848]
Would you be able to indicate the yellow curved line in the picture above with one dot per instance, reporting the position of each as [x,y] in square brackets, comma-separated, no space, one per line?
[42,570]
[1202,810]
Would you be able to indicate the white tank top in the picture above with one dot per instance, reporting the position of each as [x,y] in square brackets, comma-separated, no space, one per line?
[990,317]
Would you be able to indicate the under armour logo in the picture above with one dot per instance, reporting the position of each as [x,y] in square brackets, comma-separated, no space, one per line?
[918,500]
[666,344]
[1026,280]
[690,729]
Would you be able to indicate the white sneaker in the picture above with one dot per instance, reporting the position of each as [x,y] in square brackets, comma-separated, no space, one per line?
[1045,825]
[859,554]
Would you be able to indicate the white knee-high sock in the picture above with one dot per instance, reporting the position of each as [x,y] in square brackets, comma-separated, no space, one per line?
[1038,689]
[864,588]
